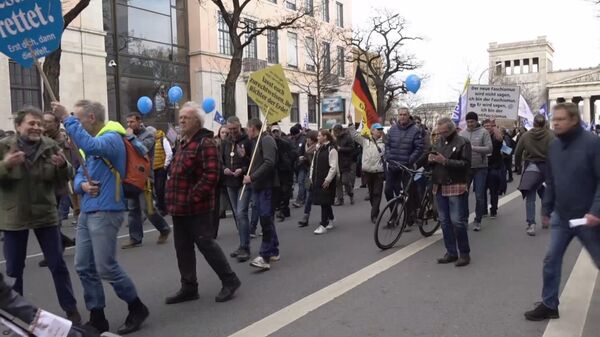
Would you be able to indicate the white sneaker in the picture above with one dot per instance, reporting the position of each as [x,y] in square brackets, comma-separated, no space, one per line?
[259,262]
[275,258]
[320,230]
[477,227]
[330,225]
[531,230]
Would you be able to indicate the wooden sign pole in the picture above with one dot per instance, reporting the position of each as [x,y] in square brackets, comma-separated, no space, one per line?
[262,129]
[53,98]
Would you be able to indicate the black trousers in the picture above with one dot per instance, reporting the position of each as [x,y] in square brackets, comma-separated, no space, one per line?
[198,230]
[374,183]
[326,215]
[160,179]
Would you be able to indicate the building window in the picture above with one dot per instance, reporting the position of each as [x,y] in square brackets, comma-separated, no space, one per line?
[225,46]
[310,53]
[149,41]
[290,4]
[340,14]
[223,100]
[526,69]
[272,47]
[507,68]
[517,67]
[312,108]
[292,50]
[253,111]
[25,86]
[326,10]
[250,51]
[326,58]
[341,64]
[294,114]
[536,65]
[310,7]
[498,68]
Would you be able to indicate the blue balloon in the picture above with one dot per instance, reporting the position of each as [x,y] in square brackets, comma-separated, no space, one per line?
[144,105]
[175,94]
[208,105]
[413,83]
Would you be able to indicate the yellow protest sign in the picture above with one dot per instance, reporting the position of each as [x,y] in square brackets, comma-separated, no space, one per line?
[269,89]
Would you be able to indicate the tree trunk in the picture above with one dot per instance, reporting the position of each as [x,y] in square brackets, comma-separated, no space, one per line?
[235,69]
[381,102]
[51,68]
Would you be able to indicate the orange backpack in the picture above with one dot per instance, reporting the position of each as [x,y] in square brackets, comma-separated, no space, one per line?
[137,169]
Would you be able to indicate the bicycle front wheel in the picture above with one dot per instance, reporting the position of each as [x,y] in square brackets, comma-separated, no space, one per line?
[390,224]
[428,217]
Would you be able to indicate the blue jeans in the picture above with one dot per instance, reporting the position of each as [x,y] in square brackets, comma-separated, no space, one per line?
[454,219]
[95,258]
[479,179]
[64,205]
[308,202]
[15,253]
[530,204]
[301,176]
[240,212]
[560,237]
[136,224]
[270,243]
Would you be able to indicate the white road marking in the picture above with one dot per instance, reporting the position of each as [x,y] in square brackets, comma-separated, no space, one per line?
[575,299]
[297,310]
[69,248]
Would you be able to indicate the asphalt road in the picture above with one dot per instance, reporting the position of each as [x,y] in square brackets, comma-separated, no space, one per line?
[414,297]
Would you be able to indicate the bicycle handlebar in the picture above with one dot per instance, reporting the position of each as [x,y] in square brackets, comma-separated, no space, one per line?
[402,167]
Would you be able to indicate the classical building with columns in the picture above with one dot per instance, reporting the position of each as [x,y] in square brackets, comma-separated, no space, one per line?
[529,64]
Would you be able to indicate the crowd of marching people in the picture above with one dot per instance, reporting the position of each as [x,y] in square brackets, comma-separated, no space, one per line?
[101,169]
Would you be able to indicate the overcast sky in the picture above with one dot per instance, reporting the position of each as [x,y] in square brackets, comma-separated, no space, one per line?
[457,34]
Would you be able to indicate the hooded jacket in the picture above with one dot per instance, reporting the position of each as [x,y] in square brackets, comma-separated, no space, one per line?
[372,151]
[108,144]
[27,191]
[533,146]
[263,173]
[481,146]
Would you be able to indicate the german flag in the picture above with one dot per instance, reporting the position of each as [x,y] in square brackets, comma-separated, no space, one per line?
[363,102]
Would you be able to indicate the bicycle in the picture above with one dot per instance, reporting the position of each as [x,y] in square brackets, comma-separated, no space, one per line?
[392,221]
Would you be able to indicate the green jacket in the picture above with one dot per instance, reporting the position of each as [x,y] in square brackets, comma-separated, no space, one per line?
[27,195]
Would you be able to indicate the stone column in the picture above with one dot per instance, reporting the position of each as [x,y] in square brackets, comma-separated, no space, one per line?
[587,111]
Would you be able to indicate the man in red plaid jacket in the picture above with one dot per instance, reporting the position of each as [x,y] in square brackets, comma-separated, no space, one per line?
[191,194]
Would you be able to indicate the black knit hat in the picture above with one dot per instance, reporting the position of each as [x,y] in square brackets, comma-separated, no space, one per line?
[471,116]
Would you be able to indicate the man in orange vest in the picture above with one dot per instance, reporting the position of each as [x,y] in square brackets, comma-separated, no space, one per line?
[163,154]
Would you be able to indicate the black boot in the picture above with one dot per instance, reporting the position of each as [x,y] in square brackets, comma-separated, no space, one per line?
[138,313]
[228,290]
[183,296]
[98,320]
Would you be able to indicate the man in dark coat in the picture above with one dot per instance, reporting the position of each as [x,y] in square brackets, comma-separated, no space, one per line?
[572,196]
[347,164]
[263,178]
[404,144]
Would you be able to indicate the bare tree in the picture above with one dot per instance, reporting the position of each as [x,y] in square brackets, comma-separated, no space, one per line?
[381,49]
[242,33]
[325,71]
[51,65]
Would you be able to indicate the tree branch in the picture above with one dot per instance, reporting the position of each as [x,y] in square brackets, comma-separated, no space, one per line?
[74,12]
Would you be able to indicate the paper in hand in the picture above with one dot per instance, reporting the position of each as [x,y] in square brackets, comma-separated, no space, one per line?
[577,222]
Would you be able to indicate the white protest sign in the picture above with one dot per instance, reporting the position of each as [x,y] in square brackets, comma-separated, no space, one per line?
[493,101]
